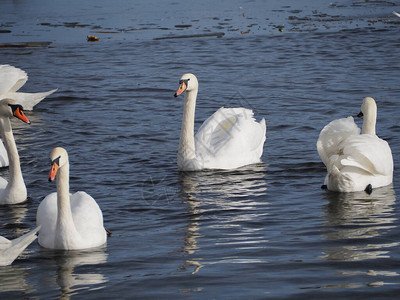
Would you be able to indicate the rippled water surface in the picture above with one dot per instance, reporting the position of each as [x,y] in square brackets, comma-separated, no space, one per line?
[263,231]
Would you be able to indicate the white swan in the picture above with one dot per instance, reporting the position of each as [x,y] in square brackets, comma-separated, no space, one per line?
[68,222]
[10,249]
[354,161]
[13,191]
[229,139]
[11,80]
[396,14]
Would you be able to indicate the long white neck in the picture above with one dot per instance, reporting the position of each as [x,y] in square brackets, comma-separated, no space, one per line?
[369,122]
[65,231]
[16,190]
[187,149]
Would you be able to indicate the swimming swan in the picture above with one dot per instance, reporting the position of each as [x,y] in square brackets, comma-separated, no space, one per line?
[11,80]
[354,161]
[13,191]
[68,221]
[229,139]
[10,249]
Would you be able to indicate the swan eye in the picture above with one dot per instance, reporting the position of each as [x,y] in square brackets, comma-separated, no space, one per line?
[15,107]
[185,81]
[56,161]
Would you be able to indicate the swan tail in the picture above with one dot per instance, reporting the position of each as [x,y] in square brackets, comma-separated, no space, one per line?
[17,246]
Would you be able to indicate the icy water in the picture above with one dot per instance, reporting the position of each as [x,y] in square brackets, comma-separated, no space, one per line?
[262,232]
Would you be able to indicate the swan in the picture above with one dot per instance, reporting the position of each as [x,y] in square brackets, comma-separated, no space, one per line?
[14,191]
[354,161]
[10,249]
[11,80]
[396,14]
[228,139]
[68,221]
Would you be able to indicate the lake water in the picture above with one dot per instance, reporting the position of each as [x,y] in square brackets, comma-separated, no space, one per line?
[263,231]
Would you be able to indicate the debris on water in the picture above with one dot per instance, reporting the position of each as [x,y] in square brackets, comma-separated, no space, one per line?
[25,45]
[92,38]
[245,32]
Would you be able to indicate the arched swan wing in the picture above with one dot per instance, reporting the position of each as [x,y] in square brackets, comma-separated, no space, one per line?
[333,136]
[369,153]
[11,79]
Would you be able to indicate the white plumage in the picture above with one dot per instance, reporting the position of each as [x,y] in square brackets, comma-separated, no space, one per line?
[353,160]
[13,191]
[11,80]
[228,139]
[68,222]
[10,249]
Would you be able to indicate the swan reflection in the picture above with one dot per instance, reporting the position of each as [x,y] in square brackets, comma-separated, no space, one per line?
[72,274]
[14,278]
[363,219]
[218,191]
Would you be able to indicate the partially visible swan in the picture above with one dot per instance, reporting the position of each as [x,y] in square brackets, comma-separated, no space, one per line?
[11,80]
[10,249]
[396,14]
[68,221]
[354,161]
[13,191]
[229,139]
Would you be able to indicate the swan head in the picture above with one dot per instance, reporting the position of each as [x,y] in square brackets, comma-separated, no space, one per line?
[368,107]
[58,158]
[10,108]
[188,82]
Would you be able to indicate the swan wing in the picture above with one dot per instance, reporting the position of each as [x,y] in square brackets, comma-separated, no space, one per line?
[29,100]
[46,217]
[333,136]
[231,137]
[3,155]
[370,153]
[11,79]
[16,247]
[88,219]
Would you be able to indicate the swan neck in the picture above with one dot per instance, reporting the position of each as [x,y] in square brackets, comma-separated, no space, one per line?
[369,123]
[12,151]
[186,143]
[64,216]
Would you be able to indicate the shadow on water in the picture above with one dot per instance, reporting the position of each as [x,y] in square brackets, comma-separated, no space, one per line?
[358,225]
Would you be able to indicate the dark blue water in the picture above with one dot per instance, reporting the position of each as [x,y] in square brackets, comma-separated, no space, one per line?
[264,231]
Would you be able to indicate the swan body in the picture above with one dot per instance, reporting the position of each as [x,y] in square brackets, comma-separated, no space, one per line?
[4,162]
[10,249]
[354,161]
[228,139]
[68,221]
[13,191]
[11,80]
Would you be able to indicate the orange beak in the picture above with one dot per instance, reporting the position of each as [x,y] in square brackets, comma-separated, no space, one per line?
[53,171]
[19,113]
[181,89]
